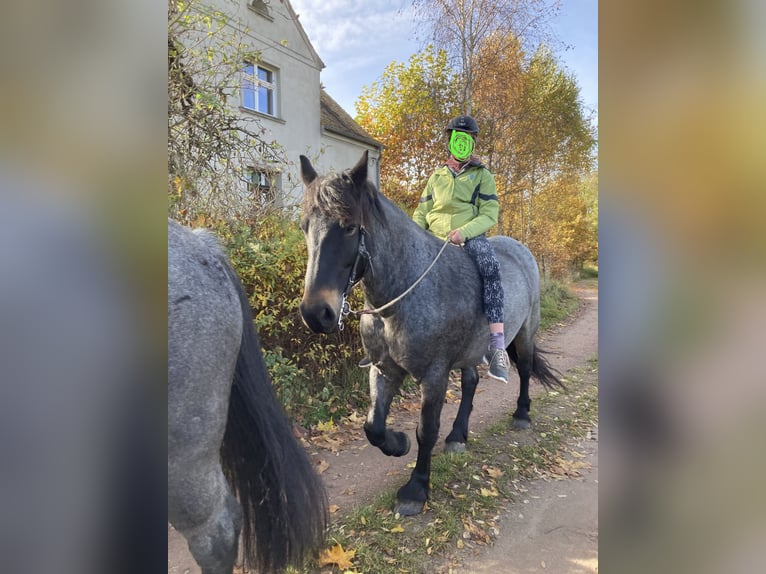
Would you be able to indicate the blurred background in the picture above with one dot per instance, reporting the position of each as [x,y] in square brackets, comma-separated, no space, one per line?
[682,309]
[82,287]
[83,263]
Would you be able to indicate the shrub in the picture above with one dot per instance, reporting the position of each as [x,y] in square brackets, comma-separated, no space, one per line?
[315,376]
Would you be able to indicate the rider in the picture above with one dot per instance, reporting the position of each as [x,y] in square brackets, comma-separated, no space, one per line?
[460,203]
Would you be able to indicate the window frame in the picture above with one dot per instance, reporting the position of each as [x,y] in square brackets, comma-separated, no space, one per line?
[266,190]
[252,84]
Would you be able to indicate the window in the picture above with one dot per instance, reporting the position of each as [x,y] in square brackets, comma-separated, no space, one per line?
[262,186]
[258,89]
[261,7]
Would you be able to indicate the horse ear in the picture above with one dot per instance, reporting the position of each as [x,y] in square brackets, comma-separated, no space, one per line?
[359,171]
[308,173]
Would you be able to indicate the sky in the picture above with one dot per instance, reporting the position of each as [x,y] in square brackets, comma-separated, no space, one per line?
[357,40]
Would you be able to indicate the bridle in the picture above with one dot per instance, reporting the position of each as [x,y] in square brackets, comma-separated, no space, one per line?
[364,256]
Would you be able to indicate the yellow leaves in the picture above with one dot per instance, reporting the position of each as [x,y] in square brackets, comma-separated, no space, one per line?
[326,426]
[397,528]
[492,471]
[488,492]
[337,556]
[563,468]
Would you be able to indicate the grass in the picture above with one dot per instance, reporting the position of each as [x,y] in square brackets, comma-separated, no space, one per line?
[589,271]
[556,303]
[470,490]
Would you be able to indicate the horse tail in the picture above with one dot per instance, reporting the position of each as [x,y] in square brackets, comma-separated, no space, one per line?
[284,504]
[543,371]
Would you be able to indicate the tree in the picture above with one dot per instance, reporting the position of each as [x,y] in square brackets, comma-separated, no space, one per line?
[461,26]
[210,145]
[539,144]
[407,111]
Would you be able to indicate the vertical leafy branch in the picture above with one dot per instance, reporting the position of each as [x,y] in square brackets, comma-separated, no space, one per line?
[210,144]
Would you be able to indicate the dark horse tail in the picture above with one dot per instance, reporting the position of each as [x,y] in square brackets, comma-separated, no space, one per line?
[541,367]
[284,504]
[543,372]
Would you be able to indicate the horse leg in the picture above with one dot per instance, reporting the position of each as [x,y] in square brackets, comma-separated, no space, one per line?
[412,497]
[203,509]
[382,390]
[469,380]
[521,352]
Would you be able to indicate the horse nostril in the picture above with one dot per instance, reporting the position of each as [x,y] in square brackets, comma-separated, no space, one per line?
[320,318]
[327,317]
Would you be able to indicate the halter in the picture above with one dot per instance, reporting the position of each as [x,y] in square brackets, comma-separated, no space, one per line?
[353,279]
[362,253]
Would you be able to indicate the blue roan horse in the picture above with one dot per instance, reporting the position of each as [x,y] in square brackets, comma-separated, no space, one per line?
[227,434]
[350,228]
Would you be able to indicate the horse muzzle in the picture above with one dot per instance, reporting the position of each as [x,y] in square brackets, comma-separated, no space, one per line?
[320,310]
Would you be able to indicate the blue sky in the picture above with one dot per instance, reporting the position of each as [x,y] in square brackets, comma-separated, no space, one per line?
[357,40]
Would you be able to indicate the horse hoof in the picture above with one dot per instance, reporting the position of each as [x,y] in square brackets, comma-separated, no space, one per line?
[408,507]
[454,447]
[521,424]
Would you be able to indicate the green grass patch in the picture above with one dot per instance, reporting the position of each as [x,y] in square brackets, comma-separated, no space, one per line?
[469,491]
[556,303]
[589,271]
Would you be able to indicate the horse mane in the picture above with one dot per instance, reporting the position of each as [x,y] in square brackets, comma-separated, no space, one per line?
[334,196]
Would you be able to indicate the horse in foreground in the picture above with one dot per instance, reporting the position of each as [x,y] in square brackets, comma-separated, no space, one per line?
[354,233]
[233,462]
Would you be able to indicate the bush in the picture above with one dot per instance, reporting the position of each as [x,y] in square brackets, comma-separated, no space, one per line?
[315,376]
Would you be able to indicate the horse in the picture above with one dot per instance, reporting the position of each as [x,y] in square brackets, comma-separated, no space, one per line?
[355,234]
[227,433]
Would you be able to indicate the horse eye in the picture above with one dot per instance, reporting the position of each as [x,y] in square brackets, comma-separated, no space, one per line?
[350,230]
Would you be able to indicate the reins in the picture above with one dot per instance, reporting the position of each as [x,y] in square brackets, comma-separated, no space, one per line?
[362,252]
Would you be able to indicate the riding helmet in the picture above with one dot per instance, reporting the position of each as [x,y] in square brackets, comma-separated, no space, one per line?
[463,124]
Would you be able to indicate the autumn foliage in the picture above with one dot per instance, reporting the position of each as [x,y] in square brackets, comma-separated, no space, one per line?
[535,136]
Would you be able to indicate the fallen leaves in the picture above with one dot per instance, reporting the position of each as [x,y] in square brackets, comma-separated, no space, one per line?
[563,468]
[472,531]
[337,556]
[492,471]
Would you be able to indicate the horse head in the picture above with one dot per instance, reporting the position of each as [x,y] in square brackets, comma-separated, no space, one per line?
[332,221]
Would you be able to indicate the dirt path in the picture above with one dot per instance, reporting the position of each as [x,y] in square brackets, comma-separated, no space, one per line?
[357,472]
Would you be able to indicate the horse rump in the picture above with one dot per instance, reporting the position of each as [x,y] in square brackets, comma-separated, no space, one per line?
[284,504]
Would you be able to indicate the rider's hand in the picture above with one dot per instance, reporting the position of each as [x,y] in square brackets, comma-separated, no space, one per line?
[455,237]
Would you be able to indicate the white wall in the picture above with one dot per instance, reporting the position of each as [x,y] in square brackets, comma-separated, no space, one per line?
[296,126]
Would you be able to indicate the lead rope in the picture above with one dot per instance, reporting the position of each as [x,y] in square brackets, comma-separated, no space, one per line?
[346,309]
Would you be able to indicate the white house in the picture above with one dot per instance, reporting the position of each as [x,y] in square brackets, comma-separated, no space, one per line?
[282,90]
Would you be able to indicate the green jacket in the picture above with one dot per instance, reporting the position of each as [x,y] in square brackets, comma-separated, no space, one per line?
[467,201]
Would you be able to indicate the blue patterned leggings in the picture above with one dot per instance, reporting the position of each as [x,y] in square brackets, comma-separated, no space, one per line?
[480,250]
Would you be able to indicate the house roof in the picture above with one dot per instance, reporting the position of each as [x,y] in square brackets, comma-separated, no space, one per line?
[296,18]
[334,118]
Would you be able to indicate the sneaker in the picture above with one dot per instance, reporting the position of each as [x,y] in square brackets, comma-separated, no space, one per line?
[498,364]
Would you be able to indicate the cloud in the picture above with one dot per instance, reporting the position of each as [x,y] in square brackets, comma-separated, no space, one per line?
[339,27]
